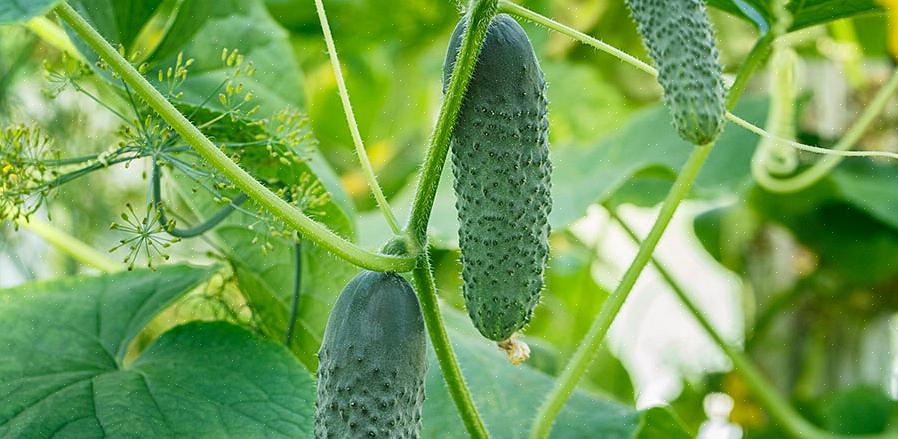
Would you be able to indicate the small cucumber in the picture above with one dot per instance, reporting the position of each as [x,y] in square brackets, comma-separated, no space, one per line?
[372,361]
[680,40]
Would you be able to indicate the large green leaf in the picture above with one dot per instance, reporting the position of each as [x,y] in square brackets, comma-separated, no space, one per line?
[203,28]
[805,13]
[63,371]
[508,397]
[119,21]
[15,11]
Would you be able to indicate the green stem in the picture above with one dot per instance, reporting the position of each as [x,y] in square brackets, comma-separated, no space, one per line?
[479,18]
[478,22]
[70,245]
[581,359]
[779,409]
[784,414]
[455,381]
[314,231]
[367,170]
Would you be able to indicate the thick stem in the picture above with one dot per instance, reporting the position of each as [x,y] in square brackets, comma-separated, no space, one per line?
[70,245]
[367,170]
[455,381]
[478,22]
[295,218]
[581,359]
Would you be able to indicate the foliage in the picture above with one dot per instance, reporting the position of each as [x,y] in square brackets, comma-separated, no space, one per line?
[125,353]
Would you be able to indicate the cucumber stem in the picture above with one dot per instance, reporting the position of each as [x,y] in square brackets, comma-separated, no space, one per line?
[292,216]
[479,19]
[455,381]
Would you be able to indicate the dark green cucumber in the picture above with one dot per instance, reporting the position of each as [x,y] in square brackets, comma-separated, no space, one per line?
[500,160]
[680,40]
[372,361]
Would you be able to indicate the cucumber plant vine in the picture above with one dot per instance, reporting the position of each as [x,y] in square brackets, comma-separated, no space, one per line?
[177,138]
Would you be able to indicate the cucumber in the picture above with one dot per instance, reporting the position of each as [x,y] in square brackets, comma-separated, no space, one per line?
[680,41]
[372,361]
[500,161]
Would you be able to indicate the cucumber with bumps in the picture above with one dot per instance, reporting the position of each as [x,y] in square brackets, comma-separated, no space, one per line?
[372,361]
[500,158]
[680,41]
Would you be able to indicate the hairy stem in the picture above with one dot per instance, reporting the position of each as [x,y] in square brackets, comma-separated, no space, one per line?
[70,245]
[520,11]
[585,353]
[479,19]
[784,414]
[295,218]
[367,170]
[455,381]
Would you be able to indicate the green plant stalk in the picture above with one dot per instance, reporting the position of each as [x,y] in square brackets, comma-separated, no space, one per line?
[581,359]
[779,409]
[455,381]
[520,11]
[367,170]
[314,231]
[573,372]
[784,414]
[70,245]
[479,20]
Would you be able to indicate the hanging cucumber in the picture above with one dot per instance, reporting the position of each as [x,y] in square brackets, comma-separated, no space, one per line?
[680,40]
[500,160]
[372,361]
